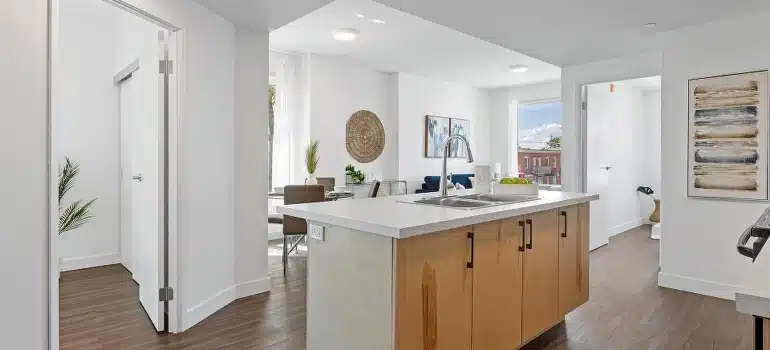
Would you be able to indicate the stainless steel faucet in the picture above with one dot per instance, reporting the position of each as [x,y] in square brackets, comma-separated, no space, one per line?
[446,155]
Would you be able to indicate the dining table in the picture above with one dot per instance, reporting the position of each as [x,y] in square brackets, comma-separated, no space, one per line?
[329,195]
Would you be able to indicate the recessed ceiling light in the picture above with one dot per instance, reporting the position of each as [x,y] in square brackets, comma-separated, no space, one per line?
[518,68]
[377,21]
[359,15]
[650,25]
[346,34]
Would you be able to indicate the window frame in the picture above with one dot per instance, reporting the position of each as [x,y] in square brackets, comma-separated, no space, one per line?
[519,105]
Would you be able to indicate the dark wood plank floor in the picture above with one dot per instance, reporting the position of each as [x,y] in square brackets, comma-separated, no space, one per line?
[99,310]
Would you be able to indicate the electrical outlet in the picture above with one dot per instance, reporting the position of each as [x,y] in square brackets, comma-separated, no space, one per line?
[316,232]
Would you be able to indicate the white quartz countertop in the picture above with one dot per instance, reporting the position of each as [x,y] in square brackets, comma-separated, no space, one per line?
[389,216]
[753,296]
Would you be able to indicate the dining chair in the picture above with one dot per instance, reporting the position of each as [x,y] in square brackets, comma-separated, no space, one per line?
[293,226]
[374,189]
[327,182]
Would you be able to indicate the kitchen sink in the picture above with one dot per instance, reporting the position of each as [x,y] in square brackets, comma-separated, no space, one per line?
[454,202]
[499,198]
[474,201]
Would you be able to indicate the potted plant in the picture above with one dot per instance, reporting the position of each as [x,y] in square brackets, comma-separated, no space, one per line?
[78,213]
[311,162]
[354,176]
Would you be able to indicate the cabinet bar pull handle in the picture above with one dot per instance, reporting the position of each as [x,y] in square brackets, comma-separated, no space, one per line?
[529,245]
[470,263]
[523,234]
[564,234]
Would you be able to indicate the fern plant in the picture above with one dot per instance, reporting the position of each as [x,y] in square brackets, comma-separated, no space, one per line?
[78,213]
[311,157]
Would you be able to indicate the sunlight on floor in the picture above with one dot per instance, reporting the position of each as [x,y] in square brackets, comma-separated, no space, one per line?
[277,249]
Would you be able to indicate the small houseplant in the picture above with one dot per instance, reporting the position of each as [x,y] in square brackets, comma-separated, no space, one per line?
[353,175]
[311,162]
[78,213]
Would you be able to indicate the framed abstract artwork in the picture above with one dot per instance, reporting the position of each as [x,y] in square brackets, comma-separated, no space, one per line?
[728,137]
[436,133]
[459,127]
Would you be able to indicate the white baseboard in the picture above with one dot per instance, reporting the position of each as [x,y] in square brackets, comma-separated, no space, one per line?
[208,307]
[697,286]
[84,262]
[627,226]
[219,300]
[250,288]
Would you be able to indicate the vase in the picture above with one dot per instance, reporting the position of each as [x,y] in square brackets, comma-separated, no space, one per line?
[311,180]
[655,216]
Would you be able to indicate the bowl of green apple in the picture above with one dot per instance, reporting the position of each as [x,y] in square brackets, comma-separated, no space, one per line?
[515,186]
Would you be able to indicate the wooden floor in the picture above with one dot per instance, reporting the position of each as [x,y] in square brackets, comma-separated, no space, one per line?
[99,310]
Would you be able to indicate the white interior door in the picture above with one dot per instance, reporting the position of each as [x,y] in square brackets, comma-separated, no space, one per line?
[128,104]
[598,127]
[148,187]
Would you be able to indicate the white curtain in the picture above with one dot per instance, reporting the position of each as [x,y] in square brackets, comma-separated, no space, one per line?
[288,128]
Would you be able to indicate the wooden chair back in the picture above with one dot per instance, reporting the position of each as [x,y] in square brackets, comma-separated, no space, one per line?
[298,194]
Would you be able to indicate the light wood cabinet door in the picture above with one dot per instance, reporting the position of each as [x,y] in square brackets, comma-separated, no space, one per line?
[434,291]
[541,274]
[573,258]
[497,282]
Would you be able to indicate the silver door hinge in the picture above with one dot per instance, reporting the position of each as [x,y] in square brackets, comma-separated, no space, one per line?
[166,294]
[584,105]
[166,64]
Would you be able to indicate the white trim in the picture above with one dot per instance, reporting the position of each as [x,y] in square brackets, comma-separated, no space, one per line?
[254,287]
[206,308]
[85,262]
[627,226]
[697,286]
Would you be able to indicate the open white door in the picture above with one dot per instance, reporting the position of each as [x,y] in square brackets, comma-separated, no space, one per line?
[148,189]
[128,110]
[598,127]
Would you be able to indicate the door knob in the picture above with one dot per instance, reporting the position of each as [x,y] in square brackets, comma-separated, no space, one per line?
[139,177]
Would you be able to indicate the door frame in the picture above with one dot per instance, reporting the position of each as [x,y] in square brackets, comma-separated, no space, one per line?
[171,168]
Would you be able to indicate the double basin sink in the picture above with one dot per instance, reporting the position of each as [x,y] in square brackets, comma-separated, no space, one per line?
[475,201]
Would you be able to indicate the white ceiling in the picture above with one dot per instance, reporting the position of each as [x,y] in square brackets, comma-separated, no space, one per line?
[407,43]
[262,14]
[565,32]
[562,32]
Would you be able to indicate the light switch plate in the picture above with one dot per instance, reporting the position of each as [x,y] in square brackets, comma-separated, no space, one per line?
[316,232]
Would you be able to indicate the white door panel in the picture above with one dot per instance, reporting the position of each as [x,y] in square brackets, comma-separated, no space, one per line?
[127,110]
[597,159]
[147,161]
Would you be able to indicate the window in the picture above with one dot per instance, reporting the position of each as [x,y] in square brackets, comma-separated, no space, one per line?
[539,138]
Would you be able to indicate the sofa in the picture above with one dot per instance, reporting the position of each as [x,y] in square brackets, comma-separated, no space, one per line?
[432,183]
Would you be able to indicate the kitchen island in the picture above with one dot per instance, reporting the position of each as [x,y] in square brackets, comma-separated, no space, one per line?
[387,274]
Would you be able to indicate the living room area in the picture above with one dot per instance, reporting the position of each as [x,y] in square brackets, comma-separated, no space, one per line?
[379,90]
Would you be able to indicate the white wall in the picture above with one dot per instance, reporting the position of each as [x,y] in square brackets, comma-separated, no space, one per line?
[339,87]
[503,110]
[647,128]
[418,97]
[86,108]
[251,68]
[699,235]
[23,149]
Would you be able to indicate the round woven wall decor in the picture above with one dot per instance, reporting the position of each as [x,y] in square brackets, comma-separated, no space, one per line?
[365,136]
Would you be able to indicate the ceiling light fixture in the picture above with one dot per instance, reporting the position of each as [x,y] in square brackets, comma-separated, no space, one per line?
[650,25]
[359,15]
[518,68]
[377,21]
[346,34]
